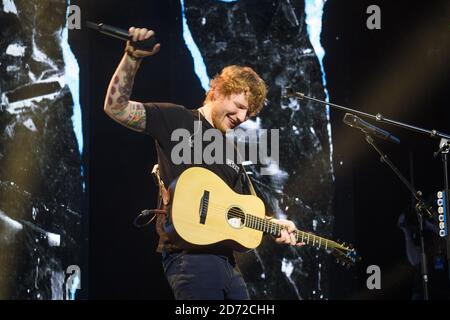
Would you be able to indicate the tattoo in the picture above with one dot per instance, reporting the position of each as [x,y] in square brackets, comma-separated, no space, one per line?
[136,118]
[122,100]
[124,79]
[132,112]
[129,113]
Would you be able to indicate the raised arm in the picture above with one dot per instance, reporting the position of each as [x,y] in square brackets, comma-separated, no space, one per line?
[118,105]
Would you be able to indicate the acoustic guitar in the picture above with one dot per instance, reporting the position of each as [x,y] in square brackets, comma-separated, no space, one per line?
[204,211]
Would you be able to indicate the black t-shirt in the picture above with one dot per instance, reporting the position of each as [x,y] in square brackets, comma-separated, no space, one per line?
[162,119]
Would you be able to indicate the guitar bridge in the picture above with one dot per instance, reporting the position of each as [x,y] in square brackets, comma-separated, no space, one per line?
[204,207]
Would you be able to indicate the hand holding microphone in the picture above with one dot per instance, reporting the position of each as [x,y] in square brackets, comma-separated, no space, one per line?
[140,34]
[141,42]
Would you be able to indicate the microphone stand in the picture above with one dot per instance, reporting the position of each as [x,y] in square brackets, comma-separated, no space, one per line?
[378,117]
[431,133]
[420,208]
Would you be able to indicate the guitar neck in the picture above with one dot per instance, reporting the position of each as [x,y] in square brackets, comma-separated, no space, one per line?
[274,229]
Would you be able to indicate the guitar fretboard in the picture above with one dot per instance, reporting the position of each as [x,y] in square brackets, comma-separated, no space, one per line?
[274,229]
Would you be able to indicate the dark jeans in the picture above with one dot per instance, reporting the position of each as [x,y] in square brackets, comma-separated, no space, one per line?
[203,277]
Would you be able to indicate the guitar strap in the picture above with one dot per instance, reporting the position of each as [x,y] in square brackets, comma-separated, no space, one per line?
[164,195]
[249,182]
[247,178]
[162,202]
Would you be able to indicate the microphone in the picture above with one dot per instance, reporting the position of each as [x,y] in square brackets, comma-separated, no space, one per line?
[356,122]
[122,34]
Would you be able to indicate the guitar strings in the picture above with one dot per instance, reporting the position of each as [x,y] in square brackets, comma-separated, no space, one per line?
[342,253]
[235,213]
[265,223]
[312,240]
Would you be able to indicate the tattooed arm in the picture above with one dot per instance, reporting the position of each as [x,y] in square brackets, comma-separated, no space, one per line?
[117,102]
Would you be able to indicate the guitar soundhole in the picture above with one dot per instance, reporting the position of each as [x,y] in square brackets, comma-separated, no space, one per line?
[236,217]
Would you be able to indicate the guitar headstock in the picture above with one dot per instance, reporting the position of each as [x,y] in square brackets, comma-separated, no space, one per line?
[345,255]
